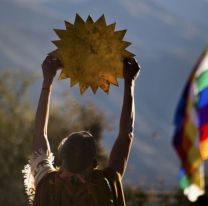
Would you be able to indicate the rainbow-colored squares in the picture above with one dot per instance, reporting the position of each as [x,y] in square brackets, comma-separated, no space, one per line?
[191,134]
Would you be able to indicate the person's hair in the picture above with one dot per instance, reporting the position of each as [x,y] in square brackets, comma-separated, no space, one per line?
[77,151]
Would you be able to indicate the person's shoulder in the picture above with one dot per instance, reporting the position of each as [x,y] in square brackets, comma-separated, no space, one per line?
[107,172]
[114,178]
[48,178]
[111,174]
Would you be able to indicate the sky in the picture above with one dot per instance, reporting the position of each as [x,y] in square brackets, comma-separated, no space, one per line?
[167,38]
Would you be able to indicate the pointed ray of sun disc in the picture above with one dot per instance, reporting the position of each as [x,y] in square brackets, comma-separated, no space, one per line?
[83,87]
[127,54]
[112,27]
[79,21]
[125,44]
[101,21]
[94,88]
[58,43]
[68,25]
[120,34]
[113,79]
[61,33]
[89,20]
[63,76]
[105,87]
[73,82]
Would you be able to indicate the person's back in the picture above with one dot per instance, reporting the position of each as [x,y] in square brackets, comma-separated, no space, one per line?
[99,189]
[78,182]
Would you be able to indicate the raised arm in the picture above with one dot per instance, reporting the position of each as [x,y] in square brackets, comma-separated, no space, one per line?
[120,152]
[40,139]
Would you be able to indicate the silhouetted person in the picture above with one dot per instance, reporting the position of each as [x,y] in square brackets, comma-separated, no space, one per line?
[77,181]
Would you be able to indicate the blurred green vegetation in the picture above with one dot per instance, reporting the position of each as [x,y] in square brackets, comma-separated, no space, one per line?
[16,129]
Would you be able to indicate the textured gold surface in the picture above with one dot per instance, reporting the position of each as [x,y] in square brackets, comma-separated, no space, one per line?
[92,53]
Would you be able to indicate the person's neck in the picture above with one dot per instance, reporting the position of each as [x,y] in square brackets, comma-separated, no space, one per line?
[64,174]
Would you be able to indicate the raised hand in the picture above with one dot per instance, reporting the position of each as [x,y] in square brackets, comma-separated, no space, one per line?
[131,69]
[50,66]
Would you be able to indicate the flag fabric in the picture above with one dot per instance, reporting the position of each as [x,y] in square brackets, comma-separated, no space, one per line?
[192,185]
[201,93]
[191,134]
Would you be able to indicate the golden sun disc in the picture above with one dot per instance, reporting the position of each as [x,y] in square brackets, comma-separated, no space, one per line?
[92,53]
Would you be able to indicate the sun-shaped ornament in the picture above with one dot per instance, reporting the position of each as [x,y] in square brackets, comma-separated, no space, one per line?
[92,53]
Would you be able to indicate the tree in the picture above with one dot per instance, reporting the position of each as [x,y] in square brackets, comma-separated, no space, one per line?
[16,129]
